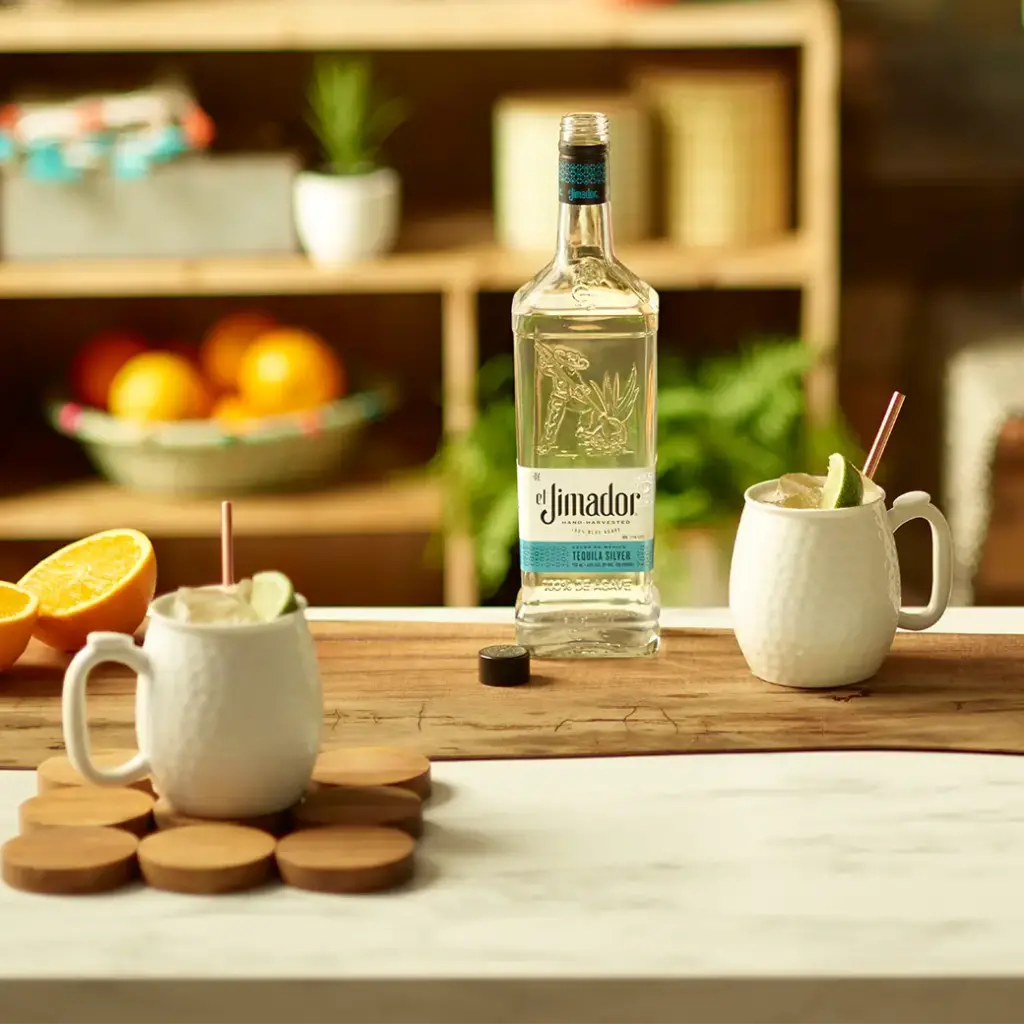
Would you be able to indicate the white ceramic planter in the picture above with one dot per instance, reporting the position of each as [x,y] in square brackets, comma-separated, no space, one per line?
[344,218]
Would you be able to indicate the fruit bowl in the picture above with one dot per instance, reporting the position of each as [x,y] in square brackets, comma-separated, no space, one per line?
[203,458]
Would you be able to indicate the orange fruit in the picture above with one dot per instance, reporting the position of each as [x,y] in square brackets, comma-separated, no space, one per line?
[221,351]
[96,364]
[158,386]
[19,610]
[102,583]
[231,409]
[289,370]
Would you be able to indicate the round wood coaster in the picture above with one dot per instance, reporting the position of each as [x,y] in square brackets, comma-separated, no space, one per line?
[346,859]
[361,805]
[374,766]
[166,816]
[80,806]
[70,861]
[206,859]
[58,773]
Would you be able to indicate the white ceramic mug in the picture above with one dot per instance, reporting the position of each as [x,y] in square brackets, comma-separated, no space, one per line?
[815,594]
[228,717]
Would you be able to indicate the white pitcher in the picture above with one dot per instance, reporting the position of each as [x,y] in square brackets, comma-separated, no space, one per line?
[815,594]
[228,717]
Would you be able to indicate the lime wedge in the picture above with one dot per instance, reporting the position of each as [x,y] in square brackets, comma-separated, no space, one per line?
[272,595]
[844,486]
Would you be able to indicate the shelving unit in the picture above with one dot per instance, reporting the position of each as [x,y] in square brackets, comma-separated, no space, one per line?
[782,264]
[260,25]
[74,510]
[453,256]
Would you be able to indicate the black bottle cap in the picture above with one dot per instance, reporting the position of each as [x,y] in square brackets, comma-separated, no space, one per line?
[504,665]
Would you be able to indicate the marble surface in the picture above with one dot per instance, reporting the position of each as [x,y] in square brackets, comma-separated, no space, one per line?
[745,867]
[798,887]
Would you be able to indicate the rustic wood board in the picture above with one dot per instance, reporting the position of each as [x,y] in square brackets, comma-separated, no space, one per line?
[415,685]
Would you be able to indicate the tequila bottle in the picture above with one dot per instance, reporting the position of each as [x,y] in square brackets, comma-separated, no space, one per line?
[585,338]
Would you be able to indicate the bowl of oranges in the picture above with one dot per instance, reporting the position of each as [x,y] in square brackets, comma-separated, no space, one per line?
[256,406]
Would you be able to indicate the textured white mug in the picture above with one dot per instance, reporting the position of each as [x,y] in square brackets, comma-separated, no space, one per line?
[228,717]
[815,594]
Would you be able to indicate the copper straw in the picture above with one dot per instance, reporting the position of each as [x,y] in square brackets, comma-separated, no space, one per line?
[227,545]
[882,437]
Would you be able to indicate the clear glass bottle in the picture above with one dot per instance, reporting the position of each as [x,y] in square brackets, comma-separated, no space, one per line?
[585,337]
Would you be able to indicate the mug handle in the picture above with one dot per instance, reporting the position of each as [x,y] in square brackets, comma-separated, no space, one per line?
[918,505]
[99,648]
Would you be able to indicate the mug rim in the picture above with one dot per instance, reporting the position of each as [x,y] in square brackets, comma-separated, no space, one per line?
[157,606]
[750,498]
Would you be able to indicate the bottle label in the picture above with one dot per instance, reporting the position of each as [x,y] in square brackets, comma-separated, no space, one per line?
[582,174]
[586,520]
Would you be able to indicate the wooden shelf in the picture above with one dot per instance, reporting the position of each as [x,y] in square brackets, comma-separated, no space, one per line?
[69,511]
[476,265]
[268,275]
[269,25]
[778,264]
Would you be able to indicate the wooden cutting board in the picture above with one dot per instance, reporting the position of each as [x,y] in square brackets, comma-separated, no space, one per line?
[415,685]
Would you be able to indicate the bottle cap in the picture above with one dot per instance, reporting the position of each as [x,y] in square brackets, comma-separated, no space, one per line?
[504,665]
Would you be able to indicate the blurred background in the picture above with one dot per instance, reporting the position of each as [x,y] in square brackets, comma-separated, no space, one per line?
[265,250]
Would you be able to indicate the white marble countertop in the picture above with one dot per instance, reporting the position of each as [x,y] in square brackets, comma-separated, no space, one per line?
[798,887]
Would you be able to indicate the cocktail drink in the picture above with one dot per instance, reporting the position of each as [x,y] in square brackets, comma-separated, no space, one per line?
[814,586]
[228,709]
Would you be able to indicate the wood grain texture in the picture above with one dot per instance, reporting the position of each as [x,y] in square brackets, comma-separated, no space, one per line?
[204,860]
[414,685]
[57,772]
[165,816]
[374,766]
[88,807]
[346,859]
[384,806]
[70,861]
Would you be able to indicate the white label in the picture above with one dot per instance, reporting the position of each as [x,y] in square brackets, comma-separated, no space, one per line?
[586,520]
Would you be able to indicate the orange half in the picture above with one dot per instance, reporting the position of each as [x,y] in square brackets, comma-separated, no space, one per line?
[19,610]
[104,582]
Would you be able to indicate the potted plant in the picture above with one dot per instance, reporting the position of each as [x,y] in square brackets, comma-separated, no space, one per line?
[723,424]
[349,208]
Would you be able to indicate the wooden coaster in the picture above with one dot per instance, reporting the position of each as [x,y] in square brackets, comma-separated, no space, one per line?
[351,858]
[374,766]
[80,806]
[58,773]
[206,859]
[166,816]
[361,805]
[70,861]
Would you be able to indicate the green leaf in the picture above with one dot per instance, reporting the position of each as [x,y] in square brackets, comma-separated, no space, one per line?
[723,424]
[349,123]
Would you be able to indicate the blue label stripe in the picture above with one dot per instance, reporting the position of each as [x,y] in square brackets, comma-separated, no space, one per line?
[572,173]
[586,556]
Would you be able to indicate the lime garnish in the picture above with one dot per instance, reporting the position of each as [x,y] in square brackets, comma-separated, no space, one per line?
[844,485]
[272,595]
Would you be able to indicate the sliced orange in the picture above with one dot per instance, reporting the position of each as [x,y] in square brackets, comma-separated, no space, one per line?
[19,609]
[100,583]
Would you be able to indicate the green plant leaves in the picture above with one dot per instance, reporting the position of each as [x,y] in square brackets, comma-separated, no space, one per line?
[723,424]
[348,121]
